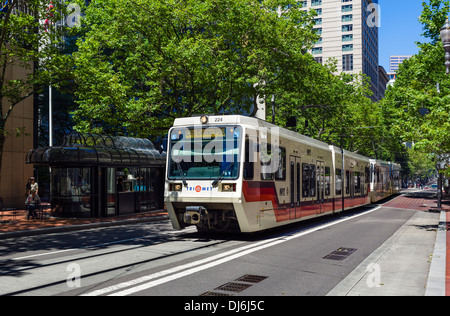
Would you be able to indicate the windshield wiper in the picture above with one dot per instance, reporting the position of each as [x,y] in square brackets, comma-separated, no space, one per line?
[180,170]
[221,176]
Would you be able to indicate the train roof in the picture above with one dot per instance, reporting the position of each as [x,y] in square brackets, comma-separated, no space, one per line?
[217,120]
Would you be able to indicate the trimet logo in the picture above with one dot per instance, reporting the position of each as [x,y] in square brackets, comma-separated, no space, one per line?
[199,189]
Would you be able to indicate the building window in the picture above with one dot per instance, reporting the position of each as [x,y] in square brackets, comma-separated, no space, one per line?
[347,48]
[347,28]
[347,8]
[347,38]
[347,62]
[347,18]
[316,2]
[317,50]
[318,60]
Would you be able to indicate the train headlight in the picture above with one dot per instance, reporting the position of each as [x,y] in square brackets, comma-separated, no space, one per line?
[177,187]
[229,187]
[204,119]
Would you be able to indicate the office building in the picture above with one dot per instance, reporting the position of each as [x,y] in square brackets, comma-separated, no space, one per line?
[14,171]
[349,33]
[395,61]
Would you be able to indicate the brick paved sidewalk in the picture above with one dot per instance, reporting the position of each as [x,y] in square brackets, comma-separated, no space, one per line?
[418,200]
[15,221]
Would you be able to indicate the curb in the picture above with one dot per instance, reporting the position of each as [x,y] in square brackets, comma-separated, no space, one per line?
[437,274]
[52,230]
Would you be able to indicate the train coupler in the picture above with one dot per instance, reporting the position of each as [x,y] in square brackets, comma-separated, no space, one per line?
[194,214]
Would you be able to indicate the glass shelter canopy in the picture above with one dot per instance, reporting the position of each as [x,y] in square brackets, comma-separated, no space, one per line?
[91,149]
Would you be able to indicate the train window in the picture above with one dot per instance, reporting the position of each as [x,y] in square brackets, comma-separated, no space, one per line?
[280,174]
[367,175]
[357,183]
[347,182]
[371,172]
[338,181]
[248,164]
[292,183]
[327,181]
[305,182]
[298,182]
[266,162]
[312,169]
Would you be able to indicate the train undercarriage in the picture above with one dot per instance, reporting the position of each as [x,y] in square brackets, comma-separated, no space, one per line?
[216,217]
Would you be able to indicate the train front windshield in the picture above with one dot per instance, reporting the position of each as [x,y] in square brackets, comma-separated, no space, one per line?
[204,153]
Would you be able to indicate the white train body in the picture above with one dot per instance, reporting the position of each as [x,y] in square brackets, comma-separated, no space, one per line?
[244,174]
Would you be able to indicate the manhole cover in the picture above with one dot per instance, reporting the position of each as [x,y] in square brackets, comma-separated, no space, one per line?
[233,287]
[340,254]
[251,278]
[209,293]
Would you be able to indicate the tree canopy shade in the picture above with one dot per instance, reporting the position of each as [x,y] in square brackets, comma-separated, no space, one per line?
[143,63]
[419,102]
[30,48]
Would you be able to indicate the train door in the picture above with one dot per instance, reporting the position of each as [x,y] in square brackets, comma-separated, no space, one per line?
[295,186]
[320,172]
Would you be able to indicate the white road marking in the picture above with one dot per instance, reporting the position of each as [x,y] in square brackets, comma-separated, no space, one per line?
[93,246]
[207,263]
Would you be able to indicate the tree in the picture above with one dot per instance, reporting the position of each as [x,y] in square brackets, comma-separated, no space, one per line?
[28,44]
[420,99]
[433,17]
[143,63]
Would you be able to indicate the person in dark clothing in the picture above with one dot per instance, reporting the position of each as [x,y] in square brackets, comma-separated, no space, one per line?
[32,203]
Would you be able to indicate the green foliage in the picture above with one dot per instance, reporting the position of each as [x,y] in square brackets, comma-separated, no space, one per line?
[433,18]
[144,62]
[419,102]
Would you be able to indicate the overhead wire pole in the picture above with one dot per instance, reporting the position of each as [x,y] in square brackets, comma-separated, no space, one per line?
[48,22]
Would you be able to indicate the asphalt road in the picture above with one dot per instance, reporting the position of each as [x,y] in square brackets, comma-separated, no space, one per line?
[152,259]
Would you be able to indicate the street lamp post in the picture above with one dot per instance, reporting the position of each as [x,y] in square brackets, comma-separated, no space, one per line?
[445,37]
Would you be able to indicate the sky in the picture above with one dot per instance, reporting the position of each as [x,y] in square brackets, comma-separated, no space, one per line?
[399,29]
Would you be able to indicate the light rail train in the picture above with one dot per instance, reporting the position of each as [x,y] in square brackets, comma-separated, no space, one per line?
[238,173]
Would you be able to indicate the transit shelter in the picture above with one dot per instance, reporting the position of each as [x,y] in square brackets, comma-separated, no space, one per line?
[99,176]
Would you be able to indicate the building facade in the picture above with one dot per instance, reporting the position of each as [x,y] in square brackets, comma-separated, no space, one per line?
[14,172]
[349,33]
[395,61]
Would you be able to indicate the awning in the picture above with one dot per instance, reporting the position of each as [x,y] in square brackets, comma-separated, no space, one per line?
[80,149]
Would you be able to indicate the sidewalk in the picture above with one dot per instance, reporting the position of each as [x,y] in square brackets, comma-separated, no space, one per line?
[15,224]
[413,261]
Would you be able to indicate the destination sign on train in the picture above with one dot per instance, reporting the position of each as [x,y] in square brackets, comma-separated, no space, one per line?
[206,133]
